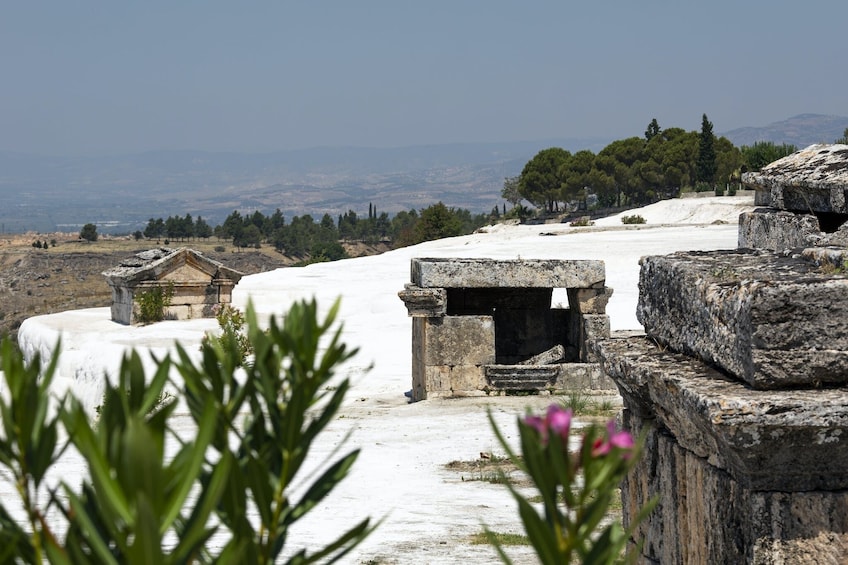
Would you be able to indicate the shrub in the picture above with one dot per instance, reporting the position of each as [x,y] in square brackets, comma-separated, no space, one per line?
[140,503]
[153,303]
[220,248]
[582,221]
[634,219]
[88,232]
[233,336]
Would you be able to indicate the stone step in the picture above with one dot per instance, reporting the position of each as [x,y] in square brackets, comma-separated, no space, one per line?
[522,377]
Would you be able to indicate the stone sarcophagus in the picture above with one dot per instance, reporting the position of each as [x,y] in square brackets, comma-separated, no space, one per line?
[484,326]
[741,390]
[197,284]
[804,199]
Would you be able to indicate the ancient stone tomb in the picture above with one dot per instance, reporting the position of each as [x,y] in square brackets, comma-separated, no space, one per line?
[804,199]
[740,388]
[198,283]
[484,326]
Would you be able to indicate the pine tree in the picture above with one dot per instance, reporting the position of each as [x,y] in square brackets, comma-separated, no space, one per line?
[705,167]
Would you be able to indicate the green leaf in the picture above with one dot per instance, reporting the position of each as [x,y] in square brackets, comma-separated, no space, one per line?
[195,531]
[258,480]
[323,485]
[493,540]
[146,546]
[88,529]
[337,549]
[82,436]
[190,472]
[541,536]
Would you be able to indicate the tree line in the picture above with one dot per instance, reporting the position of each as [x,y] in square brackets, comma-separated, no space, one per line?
[627,172]
[322,238]
[637,170]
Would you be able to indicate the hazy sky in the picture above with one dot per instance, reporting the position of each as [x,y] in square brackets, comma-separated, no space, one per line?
[87,78]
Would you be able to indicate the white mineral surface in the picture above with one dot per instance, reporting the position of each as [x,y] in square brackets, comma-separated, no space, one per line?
[428,511]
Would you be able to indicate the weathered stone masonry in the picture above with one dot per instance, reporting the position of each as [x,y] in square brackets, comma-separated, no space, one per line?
[741,387]
[481,326]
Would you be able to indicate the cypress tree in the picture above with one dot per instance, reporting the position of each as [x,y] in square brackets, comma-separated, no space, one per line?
[653,129]
[705,167]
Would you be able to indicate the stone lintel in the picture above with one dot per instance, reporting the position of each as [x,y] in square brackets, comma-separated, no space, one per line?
[788,441]
[424,302]
[770,320]
[814,179]
[519,273]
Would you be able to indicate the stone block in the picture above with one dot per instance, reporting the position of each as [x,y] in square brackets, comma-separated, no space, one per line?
[705,516]
[765,440]
[592,326]
[437,380]
[553,355]
[491,273]
[424,302]
[467,380]
[459,340]
[583,377]
[769,320]
[589,300]
[768,228]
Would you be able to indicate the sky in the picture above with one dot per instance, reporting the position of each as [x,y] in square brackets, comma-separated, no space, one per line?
[99,78]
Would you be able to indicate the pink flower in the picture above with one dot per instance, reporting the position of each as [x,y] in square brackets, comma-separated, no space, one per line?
[614,439]
[556,421]
[559,420]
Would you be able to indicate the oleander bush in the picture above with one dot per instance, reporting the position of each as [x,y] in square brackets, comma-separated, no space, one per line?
[577,489]
[222,494]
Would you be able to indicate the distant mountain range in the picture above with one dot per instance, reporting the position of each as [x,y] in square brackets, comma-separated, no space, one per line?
[800,131]
[120,193]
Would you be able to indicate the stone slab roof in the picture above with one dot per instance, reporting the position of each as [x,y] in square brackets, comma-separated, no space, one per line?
[520,273]
[814,179]
[153,264]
